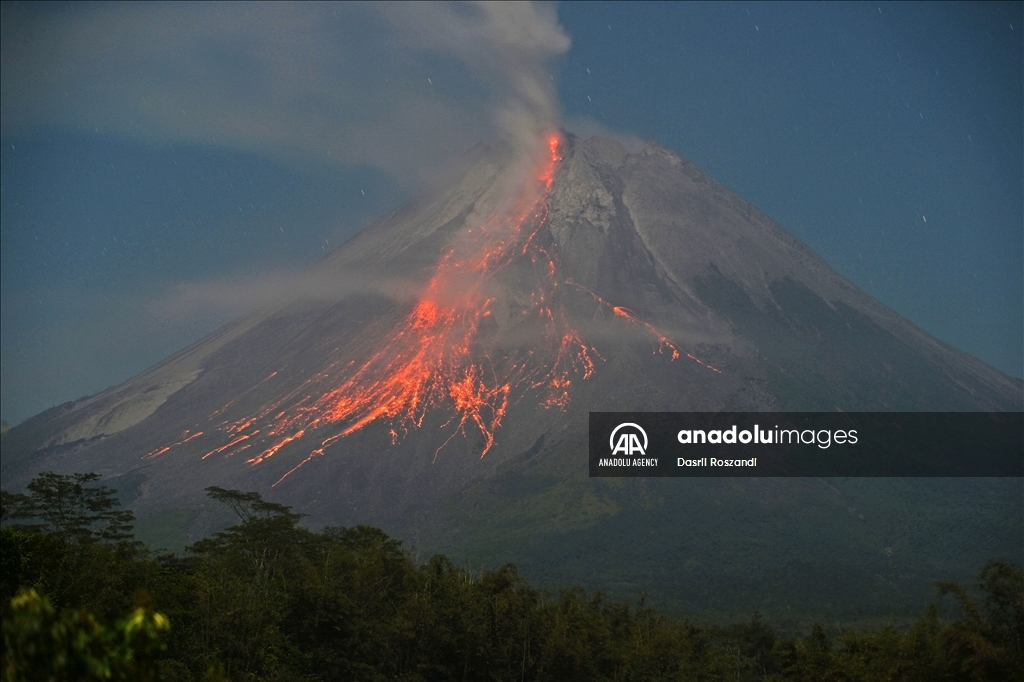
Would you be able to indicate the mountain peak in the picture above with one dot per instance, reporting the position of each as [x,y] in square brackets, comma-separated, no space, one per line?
[492,313]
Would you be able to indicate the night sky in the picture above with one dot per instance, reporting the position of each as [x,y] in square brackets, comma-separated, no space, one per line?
[164,167]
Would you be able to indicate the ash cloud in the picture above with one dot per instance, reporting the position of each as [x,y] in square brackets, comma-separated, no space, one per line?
[237,296]
[404,89]
[506,46]
[400,87]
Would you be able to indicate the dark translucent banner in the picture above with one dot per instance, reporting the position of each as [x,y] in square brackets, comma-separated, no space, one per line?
[707,444]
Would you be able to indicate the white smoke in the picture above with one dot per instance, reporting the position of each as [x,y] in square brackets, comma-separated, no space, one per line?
[390,86]
[506,45]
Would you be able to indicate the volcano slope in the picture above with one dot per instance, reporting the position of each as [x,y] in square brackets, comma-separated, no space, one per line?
[437,377]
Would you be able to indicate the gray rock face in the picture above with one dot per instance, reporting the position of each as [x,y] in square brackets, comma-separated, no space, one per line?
[769,326]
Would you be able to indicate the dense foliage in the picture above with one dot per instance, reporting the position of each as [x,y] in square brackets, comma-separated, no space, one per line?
[40,643]
[267,599]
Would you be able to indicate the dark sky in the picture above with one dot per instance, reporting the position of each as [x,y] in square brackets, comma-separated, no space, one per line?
[164,167]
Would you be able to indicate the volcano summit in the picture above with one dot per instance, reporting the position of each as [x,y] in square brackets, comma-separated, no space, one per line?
[445,396]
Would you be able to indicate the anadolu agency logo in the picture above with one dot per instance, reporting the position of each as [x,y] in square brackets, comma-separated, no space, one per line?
[628,442]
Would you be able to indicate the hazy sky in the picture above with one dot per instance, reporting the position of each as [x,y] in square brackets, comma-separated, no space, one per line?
[161,162]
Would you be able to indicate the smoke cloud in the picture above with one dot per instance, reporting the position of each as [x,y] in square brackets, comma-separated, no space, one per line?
[400,90]
[506,46]
[233,297]
[402,87]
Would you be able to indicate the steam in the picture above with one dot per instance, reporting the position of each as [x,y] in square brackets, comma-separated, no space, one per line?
[232,298]
[403,87]
[506,46]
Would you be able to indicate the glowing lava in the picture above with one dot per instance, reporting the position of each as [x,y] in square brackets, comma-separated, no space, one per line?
[442,356]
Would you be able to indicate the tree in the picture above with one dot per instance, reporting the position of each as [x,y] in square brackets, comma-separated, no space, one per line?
[13,505]
[251,506]
[68,506]
[42,644]
[245,576]
[69,539]
[986,645]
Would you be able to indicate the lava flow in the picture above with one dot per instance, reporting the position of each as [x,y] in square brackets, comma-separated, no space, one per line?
[436,356]
[441,354]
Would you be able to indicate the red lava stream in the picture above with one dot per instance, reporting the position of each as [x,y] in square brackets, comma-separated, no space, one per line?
[434,358]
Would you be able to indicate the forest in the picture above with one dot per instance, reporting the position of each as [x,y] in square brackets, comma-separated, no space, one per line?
[269,599]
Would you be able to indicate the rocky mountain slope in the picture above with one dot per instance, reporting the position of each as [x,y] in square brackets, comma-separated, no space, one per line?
[618,281]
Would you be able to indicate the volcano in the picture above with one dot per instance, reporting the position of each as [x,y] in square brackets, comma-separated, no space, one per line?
[440,388]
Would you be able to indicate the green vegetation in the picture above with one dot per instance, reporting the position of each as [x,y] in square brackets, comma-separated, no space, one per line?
[41,644]
[267,599]
[863,552]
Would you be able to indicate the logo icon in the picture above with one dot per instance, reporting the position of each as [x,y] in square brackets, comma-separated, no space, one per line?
[628,443]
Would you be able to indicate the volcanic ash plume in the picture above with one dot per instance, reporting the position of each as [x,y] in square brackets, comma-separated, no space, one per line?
[450,352]
[506,47]
[434,358]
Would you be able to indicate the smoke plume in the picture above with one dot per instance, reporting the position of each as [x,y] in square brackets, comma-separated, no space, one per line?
[402,87]
[506,46]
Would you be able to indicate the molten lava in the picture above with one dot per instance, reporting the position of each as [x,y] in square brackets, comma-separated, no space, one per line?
[439,356]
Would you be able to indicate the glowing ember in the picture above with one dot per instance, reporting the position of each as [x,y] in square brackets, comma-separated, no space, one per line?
[438,357]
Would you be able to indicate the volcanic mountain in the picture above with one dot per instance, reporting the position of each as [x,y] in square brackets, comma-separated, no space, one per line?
[435,380]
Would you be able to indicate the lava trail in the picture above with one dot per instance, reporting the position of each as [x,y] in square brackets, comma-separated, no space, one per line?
[440,356]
